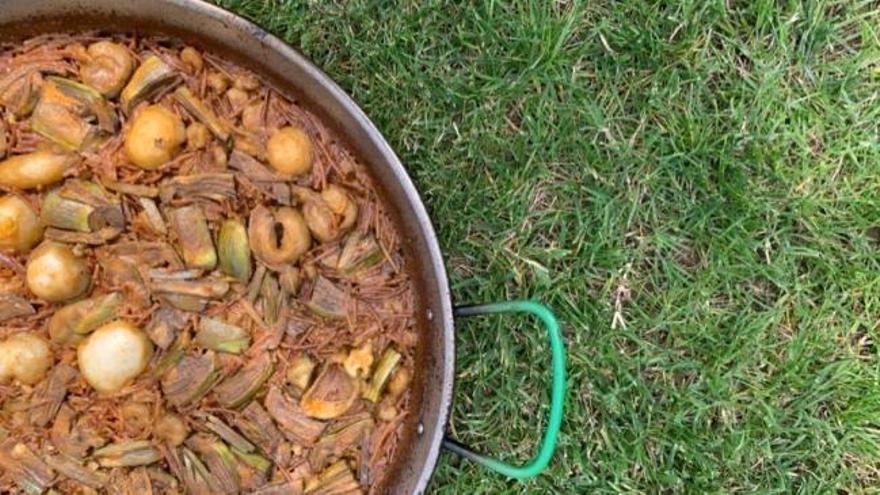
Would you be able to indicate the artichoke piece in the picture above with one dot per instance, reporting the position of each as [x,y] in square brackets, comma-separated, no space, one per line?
[191,379]
[71,436]
[335,480]
[257,176]
[299,372]
[360,252]
[234,250]
[30,473]
[289,279]
[132,189]
[230,436]
[185,303]
[220,462]
[202,112]
[70,324]
[295,424]
[240,388]
[91,99]
[256,283]
[164,326]
[278,237]
[294,487]
[65,214]
[195,475]
[213,186]
[209,288]
[256,424]
[182,470]
[220,336]
[164,275]
[151,77]
[18,90]
[87,192]
[162,480]
[82,206]
[62,119]
[12,306]
[153,216]
[256,462]
[108,68]
[331,395]
[71,468]
[35,169]
[389,362]
[191,227]
[327,299]
[49,394]
[96,238]
[137,482]
[339,438]
[251,168]
[144,253]
[273,299]
[127,454]
[171,357]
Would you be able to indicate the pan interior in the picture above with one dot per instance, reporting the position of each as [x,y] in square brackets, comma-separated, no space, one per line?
[291,74]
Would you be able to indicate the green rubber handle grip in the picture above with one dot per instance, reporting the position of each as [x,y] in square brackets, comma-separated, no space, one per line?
[557,395]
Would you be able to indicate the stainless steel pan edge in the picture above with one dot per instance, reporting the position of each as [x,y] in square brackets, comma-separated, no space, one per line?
[295,75]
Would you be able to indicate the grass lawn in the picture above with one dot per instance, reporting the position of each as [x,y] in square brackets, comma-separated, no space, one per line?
[695,189]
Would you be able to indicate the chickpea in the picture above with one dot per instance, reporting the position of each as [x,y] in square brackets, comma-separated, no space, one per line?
[359,360]
[289,151]
[219,157]
[136,415]
[197,136]
[20,227]
[246,82]
[328,214]
[56,274]
[340,203]
[171,429]
[218,82]
[192,58]
[155,137]
[109,68]
[237,98]
[387,411]
[399,382]
[252,117]
[248,146]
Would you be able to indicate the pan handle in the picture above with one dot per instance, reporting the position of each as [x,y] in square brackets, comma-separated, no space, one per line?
[557,397]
